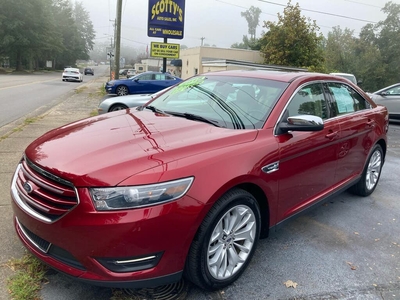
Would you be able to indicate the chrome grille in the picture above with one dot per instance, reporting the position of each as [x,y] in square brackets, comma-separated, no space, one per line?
[42,194]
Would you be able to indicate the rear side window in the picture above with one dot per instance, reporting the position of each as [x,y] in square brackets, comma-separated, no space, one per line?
[347,100]
[160,76]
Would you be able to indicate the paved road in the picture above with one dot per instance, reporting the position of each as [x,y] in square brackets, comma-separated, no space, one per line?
[21,95]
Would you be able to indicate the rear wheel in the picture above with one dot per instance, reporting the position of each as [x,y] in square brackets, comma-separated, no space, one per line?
[371,174]
[116,107]
[122,90]
[225,241]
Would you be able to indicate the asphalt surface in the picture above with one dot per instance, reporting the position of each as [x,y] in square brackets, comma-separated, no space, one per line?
[348,248]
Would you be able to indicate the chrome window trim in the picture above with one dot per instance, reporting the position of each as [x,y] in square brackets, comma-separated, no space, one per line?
[290,100]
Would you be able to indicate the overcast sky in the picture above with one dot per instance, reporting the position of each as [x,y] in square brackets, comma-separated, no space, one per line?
[220,22]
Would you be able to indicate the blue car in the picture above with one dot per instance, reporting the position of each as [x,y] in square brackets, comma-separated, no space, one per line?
[144,83]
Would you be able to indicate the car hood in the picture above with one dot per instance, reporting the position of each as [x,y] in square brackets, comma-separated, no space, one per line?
[105,150]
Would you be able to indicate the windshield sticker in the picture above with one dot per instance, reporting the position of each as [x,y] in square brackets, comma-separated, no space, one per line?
[189,84]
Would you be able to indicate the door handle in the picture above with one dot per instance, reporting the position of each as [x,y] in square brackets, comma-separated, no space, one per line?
[332,135]
[370,124]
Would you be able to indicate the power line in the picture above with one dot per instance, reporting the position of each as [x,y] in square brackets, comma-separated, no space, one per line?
[322,12]
[244,7]
[362,3]
[261,11]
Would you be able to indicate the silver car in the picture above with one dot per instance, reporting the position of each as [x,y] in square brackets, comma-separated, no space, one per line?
[389,97]
[123,102]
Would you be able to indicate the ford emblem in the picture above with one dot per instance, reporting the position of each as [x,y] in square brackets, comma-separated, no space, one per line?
[27,187]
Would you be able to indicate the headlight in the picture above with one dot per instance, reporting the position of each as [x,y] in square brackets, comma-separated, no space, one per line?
[110,83]
[139,196]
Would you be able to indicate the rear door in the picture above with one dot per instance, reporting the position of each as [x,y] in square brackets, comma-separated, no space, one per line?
[356,120]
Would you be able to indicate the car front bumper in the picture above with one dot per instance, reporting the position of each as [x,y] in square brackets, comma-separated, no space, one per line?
[130,248]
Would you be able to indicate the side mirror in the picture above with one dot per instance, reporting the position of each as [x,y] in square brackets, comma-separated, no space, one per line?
[383,93]
[301,123]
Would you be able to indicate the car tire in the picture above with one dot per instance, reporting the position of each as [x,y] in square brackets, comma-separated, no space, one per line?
[371,173]
[116,107]
[216,248]
[122,90]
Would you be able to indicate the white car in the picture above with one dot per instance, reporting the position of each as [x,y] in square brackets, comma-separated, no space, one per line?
[73,74]
[348,76]
[130,73]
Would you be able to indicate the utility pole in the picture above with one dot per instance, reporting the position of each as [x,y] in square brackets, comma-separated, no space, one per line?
[118,38]
[202,39]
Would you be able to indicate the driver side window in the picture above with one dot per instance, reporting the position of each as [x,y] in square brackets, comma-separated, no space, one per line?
[309,100]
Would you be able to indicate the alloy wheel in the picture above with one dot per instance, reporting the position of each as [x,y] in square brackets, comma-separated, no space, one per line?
[373,170]
[231,242]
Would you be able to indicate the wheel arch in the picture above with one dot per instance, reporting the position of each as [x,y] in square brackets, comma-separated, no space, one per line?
[383,145]
[262,201]
[117,104]
[254,188]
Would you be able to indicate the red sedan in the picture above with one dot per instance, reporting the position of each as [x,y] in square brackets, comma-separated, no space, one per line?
[187,184]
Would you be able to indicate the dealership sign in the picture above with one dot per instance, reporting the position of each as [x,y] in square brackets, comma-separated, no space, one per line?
[164,50]
[166,18]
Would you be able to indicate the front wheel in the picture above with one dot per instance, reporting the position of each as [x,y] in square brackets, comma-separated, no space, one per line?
[225,241]
[116,107]
[371,174]
[122,90]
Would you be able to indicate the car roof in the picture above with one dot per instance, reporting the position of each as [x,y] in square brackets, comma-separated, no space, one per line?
[344,74]
[284,76]
[71,69]
[386,87]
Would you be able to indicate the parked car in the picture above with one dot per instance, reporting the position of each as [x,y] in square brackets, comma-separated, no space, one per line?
[145,83]
[89,71]
[348,76]
[123,102]
[186,185]
[389,97]
[130,73]
[72,74]
[123,72]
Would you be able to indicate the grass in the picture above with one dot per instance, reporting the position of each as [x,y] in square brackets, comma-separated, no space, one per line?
[81,89]
[29,275]
[94,113]
[27,121]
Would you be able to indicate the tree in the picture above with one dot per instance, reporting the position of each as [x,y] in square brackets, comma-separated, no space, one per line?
[27,33]
[293,41]
[252,16]
[388,41]
[32,32]
[339,50]
[85,32]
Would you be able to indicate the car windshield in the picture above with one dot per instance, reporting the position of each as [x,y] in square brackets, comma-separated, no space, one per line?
[226,101]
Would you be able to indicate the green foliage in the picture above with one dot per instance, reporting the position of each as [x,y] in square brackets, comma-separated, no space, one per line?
[293,40]
[248,44]
[34,31]
[373,57]
[252,16]
[29,274]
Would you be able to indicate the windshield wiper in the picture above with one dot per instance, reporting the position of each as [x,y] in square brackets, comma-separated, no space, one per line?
[190,116]
[155,109]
